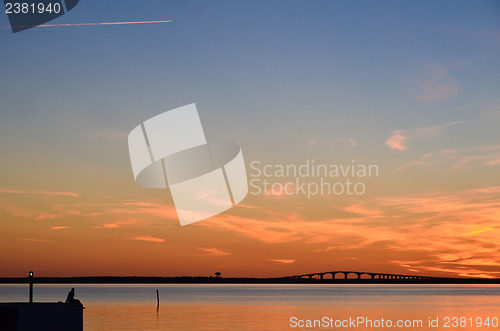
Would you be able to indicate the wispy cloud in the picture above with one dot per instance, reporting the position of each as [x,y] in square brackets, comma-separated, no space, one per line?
[48,213]
[59,227]
[116,224]
[422,161]
[49,193]
[103,215]
[399,139]
[148,238]
[282,261]
[37,240]
[107,226]
[318,143]
[286,227]
[463,159]
[455,232]
[477,105]
[145,207]
[351,142]
[214,251]
[472,157]
[490,37]
[437,227]
[494,189]
[437,86]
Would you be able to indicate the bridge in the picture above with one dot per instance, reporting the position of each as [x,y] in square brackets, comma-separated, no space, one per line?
[357,275]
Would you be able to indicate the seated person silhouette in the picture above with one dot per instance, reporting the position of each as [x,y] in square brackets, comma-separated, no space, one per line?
[71,297]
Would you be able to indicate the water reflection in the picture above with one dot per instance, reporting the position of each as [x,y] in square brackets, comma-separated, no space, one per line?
[267,307]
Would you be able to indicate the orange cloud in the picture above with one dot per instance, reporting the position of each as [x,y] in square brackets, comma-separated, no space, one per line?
[149,208]
[148,238]
[107,226]
[37,240]
[361,209]
[59,227]
[458,230]
[289,227]
[214,251]
[283,261]
[49,193]
[455,230]
[115,225]
[397,141]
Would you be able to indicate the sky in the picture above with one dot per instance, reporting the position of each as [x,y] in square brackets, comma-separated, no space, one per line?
[409,86]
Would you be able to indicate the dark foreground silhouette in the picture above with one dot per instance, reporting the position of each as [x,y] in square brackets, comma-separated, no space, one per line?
[71,297]
[41,316]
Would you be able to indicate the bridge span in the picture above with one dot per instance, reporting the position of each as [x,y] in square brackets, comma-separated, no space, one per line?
[357,275]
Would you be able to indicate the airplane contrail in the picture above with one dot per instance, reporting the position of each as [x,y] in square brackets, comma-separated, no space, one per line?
[107,23]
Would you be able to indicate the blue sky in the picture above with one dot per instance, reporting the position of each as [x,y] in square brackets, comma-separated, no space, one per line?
[291,57]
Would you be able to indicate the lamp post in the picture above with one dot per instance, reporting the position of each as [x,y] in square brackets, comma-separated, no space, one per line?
[31,286]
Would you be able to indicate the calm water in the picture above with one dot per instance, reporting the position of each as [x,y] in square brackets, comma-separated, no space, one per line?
[275,307]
